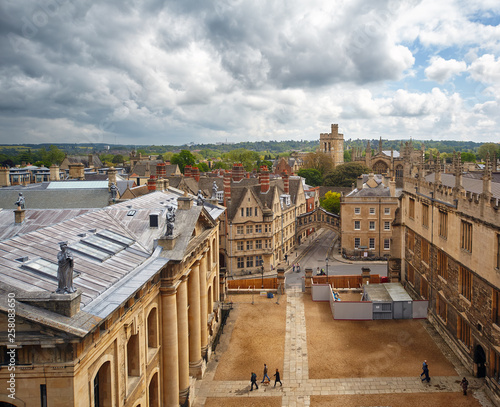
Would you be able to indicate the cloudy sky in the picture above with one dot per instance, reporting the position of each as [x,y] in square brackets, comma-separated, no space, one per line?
[172,72]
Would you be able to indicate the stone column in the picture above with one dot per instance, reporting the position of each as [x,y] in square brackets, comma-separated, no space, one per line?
[195,361]
[204,304]
[308,279]
[169,346]
[281,279]
[183,333]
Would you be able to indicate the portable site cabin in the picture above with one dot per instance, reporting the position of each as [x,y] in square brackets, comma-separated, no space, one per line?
[390,301]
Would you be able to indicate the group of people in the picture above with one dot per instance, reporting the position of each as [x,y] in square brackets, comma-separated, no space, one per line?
[296,267]
[464,384]
[253,378]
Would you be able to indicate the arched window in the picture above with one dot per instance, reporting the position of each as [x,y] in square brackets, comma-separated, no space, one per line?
[153,329]
[380,167]
[133,366]
[102,386]
[153,393]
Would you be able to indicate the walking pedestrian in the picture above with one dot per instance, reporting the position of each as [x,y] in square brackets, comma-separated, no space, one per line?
[265,375]
[253,379]
[277,378]
[464,383]
[425,372]
[293,268]
[298,268]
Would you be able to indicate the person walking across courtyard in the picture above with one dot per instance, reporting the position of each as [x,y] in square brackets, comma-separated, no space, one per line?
[425,372]
[253,379]
[464,384]
[265,375]
[277,378]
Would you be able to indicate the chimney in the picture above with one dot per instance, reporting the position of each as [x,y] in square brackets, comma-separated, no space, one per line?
[76,171]
[112,175]
[54,173]
[19,215]
[238,172]
[248,174]
[359,183]
[147,170]
[161,170]
[286,183]
[392,187]
[487,179]
[184,203]
[4,177]
[437,169]
[152,183]
[227,188]
[91,161]
[385,180]
[195,173]
[264,179]
[187,171]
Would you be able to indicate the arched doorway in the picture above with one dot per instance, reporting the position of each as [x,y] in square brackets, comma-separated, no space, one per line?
[479,361]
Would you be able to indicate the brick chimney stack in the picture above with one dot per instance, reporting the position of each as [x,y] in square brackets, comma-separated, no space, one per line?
[54,173]
[187,171]
[152,183]
[112,176]
[264,179]
[286,182]
[238,172]
[161,170]
[227,188]
[195,173]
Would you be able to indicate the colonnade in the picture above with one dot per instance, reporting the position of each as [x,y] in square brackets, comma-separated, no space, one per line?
[184,328]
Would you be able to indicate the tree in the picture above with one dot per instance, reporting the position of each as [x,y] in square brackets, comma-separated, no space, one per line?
[488,148]
[319,161]
[313,177]
[242,155]
[203,167]
[53,156]
[182,159]
[345,175]
[331,202]
[468,157]
[347,156]
[118,159]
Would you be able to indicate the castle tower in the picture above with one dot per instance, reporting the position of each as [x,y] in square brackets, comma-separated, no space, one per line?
[333,145]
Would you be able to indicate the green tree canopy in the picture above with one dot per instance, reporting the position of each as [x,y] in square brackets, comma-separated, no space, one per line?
[319,161]
[488,148]
[203,167]
[468,157]
[118,159]
[242,155]
[313,177]
[345,175]
[331,202]
[185,157]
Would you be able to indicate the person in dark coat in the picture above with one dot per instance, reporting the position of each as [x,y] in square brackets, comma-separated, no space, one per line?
[265,374]
[425,372]
[277,378]
[253,379]
[464,384]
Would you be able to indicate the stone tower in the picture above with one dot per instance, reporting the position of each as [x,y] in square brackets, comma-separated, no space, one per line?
[333,145]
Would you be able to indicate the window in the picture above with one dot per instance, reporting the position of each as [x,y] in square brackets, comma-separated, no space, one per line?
[372,211]
[357,211]
[259,261]
[411,275]
[249,261]
[249,245]
[249,229]
[356,242]
[424,289]
[425,251]
[411,240]
[102,386]
[133,365]
[495,366]
[152,329]
[258,228]
[387,225]
[425,215]
[442,266]
[239,245]
[372,225]
[498,252]
[387,244]
[239,230]
[372,243]
[387,211]
[412,208]
[495,307]
[258,244]
[441,307]
[443,224]
[242,212]
[357,225]
[255,211]
[241,262]
[267,228]
[249,211]
[466,283]
[463,331]
[466,236]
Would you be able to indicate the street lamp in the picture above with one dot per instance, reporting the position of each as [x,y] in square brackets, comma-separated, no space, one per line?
[262,271]
[326,261]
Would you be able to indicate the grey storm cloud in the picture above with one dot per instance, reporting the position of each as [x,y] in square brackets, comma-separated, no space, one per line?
[175,71]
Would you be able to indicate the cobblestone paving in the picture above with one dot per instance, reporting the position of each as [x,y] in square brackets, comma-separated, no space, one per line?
[298,388]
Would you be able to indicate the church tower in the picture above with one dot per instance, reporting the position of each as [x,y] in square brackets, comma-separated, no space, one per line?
[333,145]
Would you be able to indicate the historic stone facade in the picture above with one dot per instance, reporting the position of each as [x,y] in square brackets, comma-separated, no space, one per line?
[333,145]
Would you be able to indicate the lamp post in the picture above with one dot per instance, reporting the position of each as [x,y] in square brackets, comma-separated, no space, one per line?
[326,261]
[262,271]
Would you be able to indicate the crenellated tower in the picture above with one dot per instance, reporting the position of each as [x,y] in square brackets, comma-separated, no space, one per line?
[333,145]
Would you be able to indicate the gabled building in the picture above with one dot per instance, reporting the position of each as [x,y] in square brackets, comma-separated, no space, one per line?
[139,328]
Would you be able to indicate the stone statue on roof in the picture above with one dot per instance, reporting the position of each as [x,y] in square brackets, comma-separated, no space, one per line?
[170,221]
[113,189]
[65,270]
[214,190]
[20,201]
[200,200]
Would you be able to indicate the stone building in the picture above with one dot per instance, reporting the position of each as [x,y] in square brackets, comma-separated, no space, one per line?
[139,328]
[367,213]
[333,145]
[89,161]
[448,252]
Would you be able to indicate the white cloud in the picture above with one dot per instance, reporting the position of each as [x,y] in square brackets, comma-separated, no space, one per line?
[440,70]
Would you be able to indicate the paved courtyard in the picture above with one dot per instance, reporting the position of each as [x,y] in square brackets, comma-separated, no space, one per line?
[315,374]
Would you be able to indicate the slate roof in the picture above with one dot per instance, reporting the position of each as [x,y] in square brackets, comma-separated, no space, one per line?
[470,183]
